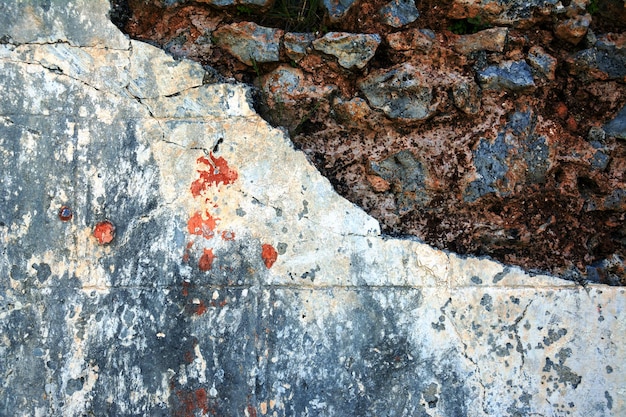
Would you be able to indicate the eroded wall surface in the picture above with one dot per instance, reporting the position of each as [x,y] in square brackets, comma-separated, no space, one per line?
[237,282]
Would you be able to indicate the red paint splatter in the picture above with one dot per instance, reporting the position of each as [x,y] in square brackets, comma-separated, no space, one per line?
[202,225]
[251,411]
[186,286]
[189,356]
[200,308]
[186,253]
[191,402]
[214,171]
[206,260]
[65,214]
[104,232]
[228,235]
[269,255]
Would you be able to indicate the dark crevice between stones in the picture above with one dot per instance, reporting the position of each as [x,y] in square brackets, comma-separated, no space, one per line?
[507,153]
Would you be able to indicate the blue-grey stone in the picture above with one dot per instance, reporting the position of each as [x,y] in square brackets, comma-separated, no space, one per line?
[353,50]
[617,126]
[337,8]
[407,175]
[509,75]
[516,145]
[402,92]
[398,13]
[604,60]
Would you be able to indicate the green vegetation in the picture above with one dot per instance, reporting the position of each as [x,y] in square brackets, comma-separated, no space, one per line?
[469,25]
[295,15]
[593,7]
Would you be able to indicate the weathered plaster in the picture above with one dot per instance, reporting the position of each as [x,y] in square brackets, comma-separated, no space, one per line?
[239,282]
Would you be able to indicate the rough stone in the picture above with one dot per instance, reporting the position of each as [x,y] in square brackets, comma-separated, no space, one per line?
[617,126]
[238,282]
[297,45]
[292,95]
[492,40]
[406,175]
[337,9]
[466,96]
[411,40]
[403,92]
[249,42]
[398,13]
[510,13]
[606,60]
[516,149]
[544,64]
[509,75]
[573,30]
[352,50]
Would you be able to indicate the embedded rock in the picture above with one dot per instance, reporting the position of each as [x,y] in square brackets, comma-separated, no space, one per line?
[292,95]
[606,60]
[249,42]
[617,126]
[544,64]
[573,30]
[511,12]
[403,92]
[398,13]
[352,50]
[486,40]
[336,9]
[509,75]
[407,177]
[419,40]
[297,45]
[516,150]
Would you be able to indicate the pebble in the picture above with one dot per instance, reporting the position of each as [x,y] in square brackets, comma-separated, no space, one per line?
[351,49]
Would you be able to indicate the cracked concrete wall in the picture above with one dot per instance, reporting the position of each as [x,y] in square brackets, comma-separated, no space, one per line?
[237,281]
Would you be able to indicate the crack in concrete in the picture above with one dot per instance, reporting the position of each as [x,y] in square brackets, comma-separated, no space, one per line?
[514,327]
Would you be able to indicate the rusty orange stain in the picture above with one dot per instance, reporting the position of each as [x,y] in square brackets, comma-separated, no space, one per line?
[213,171]
[202,225]
[269,255]
[104,232]
[228,235]
[206,260]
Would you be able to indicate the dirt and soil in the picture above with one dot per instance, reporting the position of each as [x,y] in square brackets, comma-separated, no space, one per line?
[555,225]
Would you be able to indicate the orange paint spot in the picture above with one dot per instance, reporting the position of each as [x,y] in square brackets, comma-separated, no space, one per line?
[202,225]
[228,235]
[269,255]
[104,232]
[206,260]
[213,172]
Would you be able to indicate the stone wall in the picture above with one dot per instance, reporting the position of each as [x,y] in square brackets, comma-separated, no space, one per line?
[167,252]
